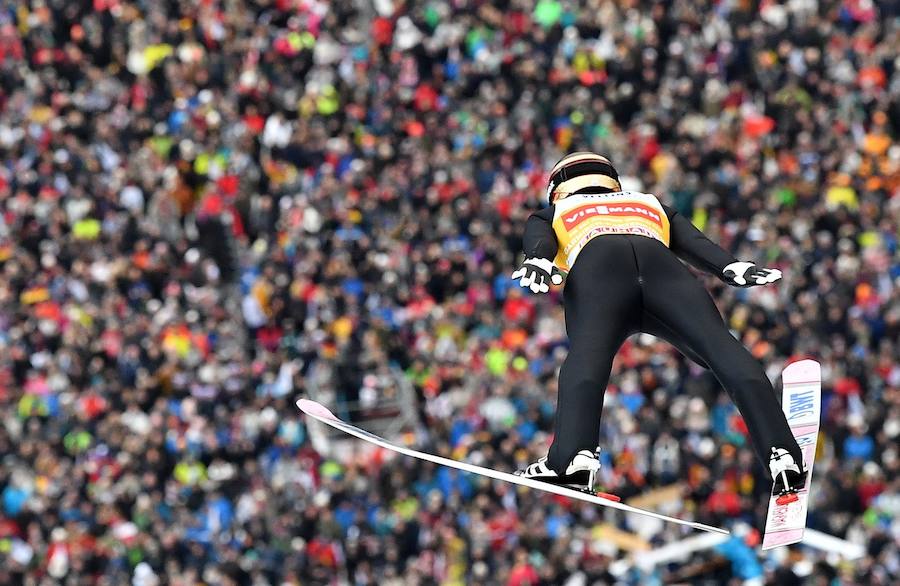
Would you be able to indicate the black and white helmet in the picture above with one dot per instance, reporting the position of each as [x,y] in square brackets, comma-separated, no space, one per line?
[583,172]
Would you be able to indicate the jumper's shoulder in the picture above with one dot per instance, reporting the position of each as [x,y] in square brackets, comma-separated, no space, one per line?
[544,214]
[640,194]
[651,199]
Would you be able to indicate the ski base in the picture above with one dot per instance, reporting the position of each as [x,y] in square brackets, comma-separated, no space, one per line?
[801,403]
[596,493]
[321,413]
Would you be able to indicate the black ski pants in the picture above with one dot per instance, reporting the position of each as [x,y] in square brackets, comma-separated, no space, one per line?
[624,284]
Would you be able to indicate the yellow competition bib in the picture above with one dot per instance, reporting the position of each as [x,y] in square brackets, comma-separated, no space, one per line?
[579,218]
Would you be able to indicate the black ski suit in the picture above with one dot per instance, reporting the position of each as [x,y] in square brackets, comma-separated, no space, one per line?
[621,284]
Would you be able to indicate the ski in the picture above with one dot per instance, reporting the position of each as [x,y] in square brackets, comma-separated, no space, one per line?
[801,403]
[321,413]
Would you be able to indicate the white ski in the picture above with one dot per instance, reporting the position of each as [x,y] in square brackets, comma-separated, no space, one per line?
[321,413]
[802,404]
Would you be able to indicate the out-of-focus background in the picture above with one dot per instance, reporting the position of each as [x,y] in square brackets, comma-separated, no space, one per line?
[209,208]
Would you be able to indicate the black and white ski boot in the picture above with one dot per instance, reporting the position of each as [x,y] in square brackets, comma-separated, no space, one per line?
[787,476]
[580,474]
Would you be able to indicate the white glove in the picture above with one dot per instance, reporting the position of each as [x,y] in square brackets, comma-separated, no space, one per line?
[537,274]
[747,274]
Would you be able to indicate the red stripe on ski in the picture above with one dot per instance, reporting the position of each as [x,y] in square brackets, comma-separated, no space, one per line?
[607,496]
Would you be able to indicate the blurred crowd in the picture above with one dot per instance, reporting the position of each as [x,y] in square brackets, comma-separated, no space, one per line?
[209,208]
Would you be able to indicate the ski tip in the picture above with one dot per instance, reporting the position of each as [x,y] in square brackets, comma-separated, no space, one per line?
[315,409]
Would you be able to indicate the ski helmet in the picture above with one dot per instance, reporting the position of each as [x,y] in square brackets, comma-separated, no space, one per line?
[583,172]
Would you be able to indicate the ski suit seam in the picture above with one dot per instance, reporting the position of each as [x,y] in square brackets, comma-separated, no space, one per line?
[640,278]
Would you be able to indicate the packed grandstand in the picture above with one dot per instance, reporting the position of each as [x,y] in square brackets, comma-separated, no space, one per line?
[211,208]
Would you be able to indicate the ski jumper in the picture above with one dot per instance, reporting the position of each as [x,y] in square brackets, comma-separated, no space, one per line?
[621,251]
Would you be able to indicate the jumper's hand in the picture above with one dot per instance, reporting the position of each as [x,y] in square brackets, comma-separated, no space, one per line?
[747,274]
[537,274]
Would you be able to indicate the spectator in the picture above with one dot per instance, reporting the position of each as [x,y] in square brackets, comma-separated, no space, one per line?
[209,208]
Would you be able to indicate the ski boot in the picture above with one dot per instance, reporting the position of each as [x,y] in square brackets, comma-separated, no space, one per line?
[579,475]
[787,477]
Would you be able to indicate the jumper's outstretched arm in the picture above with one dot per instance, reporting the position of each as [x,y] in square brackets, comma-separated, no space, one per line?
[692,245]
[539,240]
[539,243]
